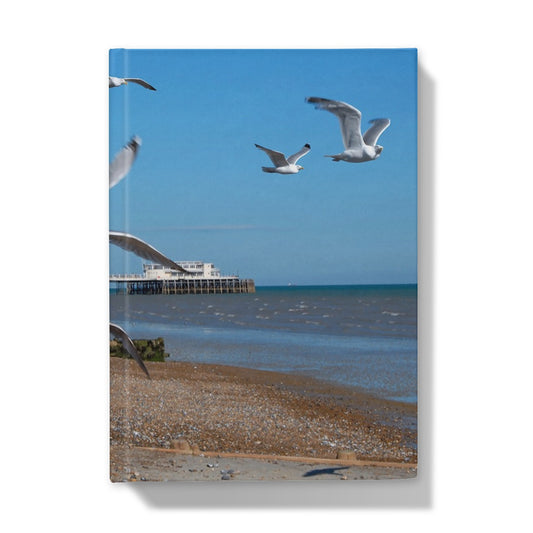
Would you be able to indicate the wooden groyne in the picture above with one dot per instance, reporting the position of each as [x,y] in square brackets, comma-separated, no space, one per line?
[183,286]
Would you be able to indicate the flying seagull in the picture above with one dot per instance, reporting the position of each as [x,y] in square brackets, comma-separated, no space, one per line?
[284,165]
[358,148]
[142,249]
[117,331]
[123,161]
[117,82]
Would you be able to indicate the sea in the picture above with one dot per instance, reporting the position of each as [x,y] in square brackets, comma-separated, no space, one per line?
[362,336]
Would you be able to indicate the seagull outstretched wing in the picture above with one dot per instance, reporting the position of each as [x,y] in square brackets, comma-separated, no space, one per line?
[117,331]
[349,119]
[379,125]
[277,158]
[141,82]
[142,249]
[294,157]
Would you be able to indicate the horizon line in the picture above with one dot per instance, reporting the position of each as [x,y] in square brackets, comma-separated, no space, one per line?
[341,285]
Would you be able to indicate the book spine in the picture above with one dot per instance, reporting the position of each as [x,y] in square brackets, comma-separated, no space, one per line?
[118,100]
[119,136]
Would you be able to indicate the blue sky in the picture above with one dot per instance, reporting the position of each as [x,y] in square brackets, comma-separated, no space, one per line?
[196,190]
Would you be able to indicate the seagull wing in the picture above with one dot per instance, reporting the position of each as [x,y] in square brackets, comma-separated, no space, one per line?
[142,249]
[276,157]
[294,157]
[123,161]
[141,82]
[379,125]
[349,118]
[117,331]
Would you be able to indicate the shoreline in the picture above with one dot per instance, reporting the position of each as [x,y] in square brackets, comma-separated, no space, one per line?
[221,410]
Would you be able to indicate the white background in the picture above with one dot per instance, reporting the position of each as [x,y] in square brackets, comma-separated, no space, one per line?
[475,266]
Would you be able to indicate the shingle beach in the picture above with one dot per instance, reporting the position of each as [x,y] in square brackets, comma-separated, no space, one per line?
[244,424]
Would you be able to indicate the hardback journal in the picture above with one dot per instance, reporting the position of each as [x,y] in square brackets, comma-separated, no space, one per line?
[263,264]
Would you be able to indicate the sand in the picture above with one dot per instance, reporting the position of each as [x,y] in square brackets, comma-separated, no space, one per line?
[244,424]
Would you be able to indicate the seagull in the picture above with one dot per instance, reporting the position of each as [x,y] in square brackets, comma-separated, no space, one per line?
[358,148]
[117,331]
[117,82]
[123,161]
[284,165]
[142,249]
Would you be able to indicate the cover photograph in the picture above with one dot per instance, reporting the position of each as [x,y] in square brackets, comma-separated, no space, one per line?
[263,264]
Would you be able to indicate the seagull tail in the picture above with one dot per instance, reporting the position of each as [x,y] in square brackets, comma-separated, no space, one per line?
[270,170]
[333,157]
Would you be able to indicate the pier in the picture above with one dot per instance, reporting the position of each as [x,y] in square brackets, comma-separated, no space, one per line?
[199,278]
[141,285]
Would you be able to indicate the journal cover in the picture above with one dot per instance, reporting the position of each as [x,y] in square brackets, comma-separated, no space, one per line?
[263,264]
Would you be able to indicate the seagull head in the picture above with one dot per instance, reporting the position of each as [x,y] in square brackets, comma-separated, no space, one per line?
[379,149]
[299,167]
